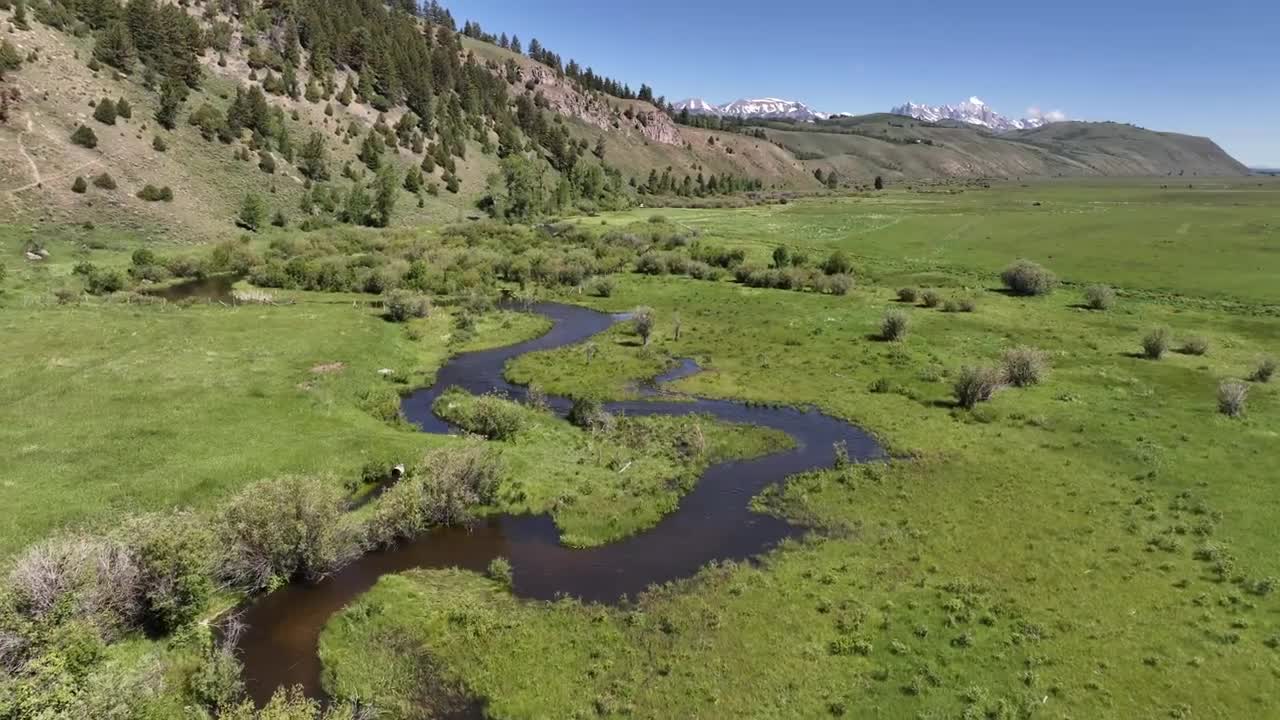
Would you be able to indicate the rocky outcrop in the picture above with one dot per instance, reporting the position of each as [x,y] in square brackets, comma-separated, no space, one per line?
[626,116]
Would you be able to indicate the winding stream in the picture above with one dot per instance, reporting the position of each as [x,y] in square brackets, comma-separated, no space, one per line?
[713,522]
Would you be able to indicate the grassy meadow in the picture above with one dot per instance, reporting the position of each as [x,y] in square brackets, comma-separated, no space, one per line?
[1099,544]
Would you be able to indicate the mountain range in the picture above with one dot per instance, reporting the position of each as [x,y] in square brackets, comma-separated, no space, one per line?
[757,108]
[975,112]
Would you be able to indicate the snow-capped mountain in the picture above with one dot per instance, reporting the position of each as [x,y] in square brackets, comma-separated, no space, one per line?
[976,112]
[753,108]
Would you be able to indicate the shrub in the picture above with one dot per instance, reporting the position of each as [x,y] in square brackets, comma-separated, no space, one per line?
[151,193]
[1024,366]
[931,298]
[277,530]
[1195,346]
[908,295]
[124,109]
[443,489]
[838,263]
[894,325]
[838,284]
[492,416]
[602,287]
[642,322]
[176,556]
[1027,278]
[651,264]
[158,144]
[85,137]
[253,212]
[105,181]
[499,570]
[1265,370]
[402,305]
[105,112]
[1099,297]
[1232,396]
[588,414]
[976,385]
[1155,344]
[104,281]
[77,577]
[79,186]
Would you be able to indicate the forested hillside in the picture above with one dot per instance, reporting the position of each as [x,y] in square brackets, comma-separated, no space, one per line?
[197,115]
[320,112]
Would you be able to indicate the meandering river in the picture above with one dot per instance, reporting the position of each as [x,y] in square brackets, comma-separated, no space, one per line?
[714,521]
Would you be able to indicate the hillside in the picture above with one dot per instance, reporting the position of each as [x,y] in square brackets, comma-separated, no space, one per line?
[905,148]
[306,68]
[57,86]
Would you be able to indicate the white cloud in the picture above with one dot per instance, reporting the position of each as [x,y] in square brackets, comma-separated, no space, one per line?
[1051,116]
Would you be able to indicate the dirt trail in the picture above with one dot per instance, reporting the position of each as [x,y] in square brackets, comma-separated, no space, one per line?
[35,168]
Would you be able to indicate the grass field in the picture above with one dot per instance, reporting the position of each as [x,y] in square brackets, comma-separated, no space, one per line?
[1217,239]
[1097,545]
[1050,554]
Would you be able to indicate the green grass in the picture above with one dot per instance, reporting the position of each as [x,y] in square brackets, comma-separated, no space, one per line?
[1215,241]
[1043,554]
[1037,554]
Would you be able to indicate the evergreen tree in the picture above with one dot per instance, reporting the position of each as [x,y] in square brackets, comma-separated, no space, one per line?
[114,47]
[172,95]
[371,151]
[105,112]
[515,44]
[252,212]
[385,193]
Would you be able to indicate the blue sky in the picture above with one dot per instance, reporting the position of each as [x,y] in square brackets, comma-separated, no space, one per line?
[1206,68]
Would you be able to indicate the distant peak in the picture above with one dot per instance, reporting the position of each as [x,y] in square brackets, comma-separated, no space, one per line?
[975,112]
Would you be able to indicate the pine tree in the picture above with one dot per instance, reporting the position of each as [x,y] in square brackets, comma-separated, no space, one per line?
[114,47]
[515,44]
[371,151]
[252,212]
[124,109]
[172,95]
[313,158]
[105,112]
[20,15]
[385,193]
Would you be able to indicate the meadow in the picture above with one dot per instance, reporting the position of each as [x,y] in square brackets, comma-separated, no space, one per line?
[1097,544]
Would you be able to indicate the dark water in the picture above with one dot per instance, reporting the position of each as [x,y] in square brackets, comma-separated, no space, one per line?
[713,522]
[215,288]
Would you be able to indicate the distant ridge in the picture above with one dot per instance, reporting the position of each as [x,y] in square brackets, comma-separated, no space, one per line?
[975,112]
[757,108]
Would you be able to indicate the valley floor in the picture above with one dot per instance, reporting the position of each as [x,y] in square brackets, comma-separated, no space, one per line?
[1097,545]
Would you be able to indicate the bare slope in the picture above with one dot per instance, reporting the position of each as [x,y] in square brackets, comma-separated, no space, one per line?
[902,147]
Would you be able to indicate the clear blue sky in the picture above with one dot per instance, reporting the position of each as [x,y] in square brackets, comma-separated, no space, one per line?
[1206,68]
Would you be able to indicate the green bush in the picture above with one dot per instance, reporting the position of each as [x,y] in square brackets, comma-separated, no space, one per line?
[908,295]
[1027,278]
[104,281]
[79,187]
[894,326]
[491,416]
[124,109]
[176,555]
[151,193]
[642,323]
[1099,297]
[838,263]
[931,298]
[837,284]
[85,137]
[158,144]
[1195,346]
[277,530]
[1024,366]
[402,305]
[1265,370]
[105,112]
[443,489]
[975,385]
[602,287]
[499,571]
[105,181]
[1155,344]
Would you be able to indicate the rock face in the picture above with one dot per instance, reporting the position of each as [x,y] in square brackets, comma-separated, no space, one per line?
[599,111]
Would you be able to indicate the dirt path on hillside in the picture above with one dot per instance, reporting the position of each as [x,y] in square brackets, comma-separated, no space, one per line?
[35,168]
